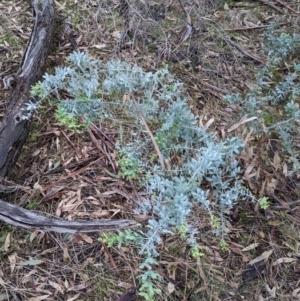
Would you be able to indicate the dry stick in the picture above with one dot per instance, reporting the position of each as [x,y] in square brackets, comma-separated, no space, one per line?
[254,27]
[98,145]
[72,165]
[95,141]
[110,257]
[285,205]
[98,129]
[246,52]
[161,160]
[79,155]
[287,7]
[271,5]
[291,204]
[223,91]
[82,169]
[188,17]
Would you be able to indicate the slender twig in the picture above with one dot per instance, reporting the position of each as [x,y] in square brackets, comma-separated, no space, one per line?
[188,17]
[255,27]
[291,204]
[287,7]
[110,257]
[110,145]
[246,52]
[161,160]
[78,153]
[271,5]
[99,146]
[278,124]
[214,87]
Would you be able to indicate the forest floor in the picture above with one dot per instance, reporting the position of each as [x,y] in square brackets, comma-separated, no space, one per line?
[64,174]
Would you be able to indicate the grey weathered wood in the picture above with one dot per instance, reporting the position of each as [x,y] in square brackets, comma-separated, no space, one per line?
[13,130]
[23,218]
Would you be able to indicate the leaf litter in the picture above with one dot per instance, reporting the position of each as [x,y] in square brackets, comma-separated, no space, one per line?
[65,175]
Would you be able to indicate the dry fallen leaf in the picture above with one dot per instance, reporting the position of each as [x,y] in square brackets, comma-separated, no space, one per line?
[87,238]
[66,255]
[57,286]
[283,260]
[45,297]
[243,120]
[263,256]
[12,259]
[7,242]
[74,298]
[100,46]
[30,262]
[171,288]
[296,294]
[250,247]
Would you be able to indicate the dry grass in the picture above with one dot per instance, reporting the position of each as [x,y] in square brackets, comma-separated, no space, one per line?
[79,267]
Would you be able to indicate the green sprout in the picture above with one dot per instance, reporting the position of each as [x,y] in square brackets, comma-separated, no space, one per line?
[196,253]
[264,203]
[223,245]
[215,222]
[129,167]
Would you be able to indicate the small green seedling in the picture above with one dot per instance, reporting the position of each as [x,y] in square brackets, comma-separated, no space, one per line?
[264,203]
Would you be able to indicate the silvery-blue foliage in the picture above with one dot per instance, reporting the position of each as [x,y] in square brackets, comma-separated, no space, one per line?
[171,195]
[285,92]
[279,46]
[30,108]
[122,77]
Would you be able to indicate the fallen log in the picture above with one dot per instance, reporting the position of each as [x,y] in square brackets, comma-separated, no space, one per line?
[14,128]
[26,219]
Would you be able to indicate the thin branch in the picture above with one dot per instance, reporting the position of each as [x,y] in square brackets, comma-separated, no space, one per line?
[102,150]
[278,124]
[271,5]
[287,7]
[161,160]
[255,27]
[246,52]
